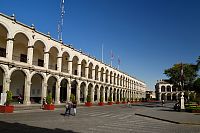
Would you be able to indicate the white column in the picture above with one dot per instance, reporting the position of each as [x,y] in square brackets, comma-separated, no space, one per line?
[59,63]
[98,95]
[115,95]
[92,94]
[85,93]
[30,55]
[119,94]
[27,93]
[93,74]
[69,92]
[46,60]
[79,70]
[112,94]
[44,90]
[6,84]
[78,93]
[86,72]
[70,68]
[57,97]
[104,94]
[9,49]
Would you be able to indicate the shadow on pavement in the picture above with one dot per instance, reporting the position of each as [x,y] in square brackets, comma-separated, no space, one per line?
[22,128]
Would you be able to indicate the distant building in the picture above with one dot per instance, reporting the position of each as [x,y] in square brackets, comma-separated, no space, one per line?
[150,94]
[168,92]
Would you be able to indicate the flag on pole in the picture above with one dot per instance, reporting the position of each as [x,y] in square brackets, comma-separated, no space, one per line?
[61,22]
[118,60]
[112,55]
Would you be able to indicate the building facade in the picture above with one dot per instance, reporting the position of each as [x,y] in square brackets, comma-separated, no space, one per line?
[33,64]
[168,92]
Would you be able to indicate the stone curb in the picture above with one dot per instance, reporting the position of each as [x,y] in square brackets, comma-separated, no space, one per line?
[188,123]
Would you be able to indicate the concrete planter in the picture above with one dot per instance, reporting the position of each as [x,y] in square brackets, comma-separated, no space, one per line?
[88,104]
[49,107]
[6,109]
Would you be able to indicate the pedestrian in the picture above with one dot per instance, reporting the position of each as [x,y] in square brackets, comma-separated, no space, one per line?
[129,105]
[43,102]
[66,108]
[74,107]
[163,102]
[19,98]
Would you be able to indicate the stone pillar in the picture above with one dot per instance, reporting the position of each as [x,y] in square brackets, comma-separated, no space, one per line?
[115,95]
[85,94]
[119,94]
[104,94]
[59,63]
[69,92]
[86,72]
[99,75]
[93,74]
[182,101]
[27,93]
[112,95]
[46,60]
[79,70]
[44,90]
[92,94]
[104,77]
[98,95]
[57,95]
[9,49]
[70,67]
[30,55]
[6,85]
[78,93]
[108,93]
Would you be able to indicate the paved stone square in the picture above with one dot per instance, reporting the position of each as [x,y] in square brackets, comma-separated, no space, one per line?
[96,119]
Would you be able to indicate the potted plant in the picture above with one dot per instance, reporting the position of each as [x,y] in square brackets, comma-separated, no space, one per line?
[110,100]
[101,103]
[7,108]
[88,103]
[124,100]
[72,98]
[49,105]
[132,100]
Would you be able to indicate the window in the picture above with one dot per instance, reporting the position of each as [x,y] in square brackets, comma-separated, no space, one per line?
[2,52]
[40,62]
[23,58]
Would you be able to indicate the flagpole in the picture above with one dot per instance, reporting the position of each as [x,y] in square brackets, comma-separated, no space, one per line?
[102,52]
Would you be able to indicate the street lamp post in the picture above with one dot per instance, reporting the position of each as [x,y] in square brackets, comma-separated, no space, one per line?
[182,93]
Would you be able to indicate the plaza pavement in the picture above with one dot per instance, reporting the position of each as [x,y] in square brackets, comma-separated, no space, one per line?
[96,119]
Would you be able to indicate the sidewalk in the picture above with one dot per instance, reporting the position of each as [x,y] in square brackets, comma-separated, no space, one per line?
[166,113]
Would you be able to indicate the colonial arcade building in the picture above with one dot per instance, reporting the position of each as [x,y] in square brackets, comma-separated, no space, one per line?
[33,64]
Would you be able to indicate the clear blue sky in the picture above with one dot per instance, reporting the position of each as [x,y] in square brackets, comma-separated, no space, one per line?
[148,35]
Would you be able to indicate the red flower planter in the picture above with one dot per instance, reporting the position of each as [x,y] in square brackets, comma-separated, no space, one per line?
[88,104]
[49,107]
[110,103]
[6,109]
[101,104]
[117,102]
[123,102]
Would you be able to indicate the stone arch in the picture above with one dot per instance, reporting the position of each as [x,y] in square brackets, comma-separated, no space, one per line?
[162,88]
[111,77]
[96,72]
[168,88]
[107,75]
[173,88]
[38,53]
[51,88]
[3,40]
[53,55]
[83,92]
[2,79]
[75,64]
[74,85]
[18,83]
[106,93]
[63,90]
[90,69]
[114,78]
[90,89]
[20,47]
[65,60]
[96,92]
[83,66]
[37,80]
[117,79]
[102,91]
[102,73]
